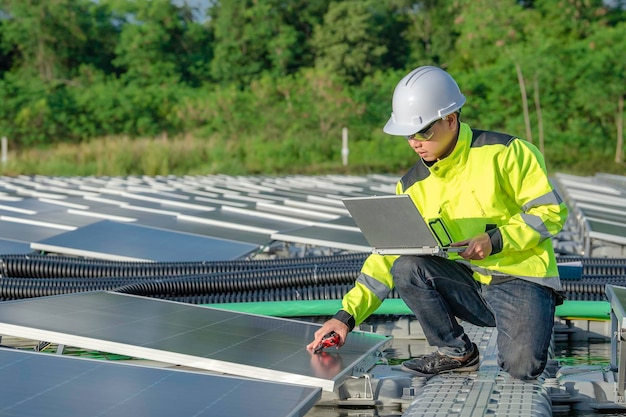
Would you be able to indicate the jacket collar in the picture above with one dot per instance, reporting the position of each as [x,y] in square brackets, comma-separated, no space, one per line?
[454,162]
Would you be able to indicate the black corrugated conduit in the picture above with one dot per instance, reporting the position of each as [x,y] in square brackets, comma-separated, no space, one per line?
[43,266]
[240,282]
[235,281]
[325,277]
[323,292]
[19,288]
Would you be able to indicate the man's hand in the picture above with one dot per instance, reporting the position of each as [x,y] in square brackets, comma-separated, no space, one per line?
[478,247]
[332,325]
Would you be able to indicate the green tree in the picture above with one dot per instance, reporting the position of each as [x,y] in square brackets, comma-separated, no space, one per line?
[159,39]
[429,29]
[600,88]
[257,36]
[54,38]
[349,42]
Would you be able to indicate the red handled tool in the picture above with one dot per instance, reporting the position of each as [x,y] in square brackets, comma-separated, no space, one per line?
[331,339]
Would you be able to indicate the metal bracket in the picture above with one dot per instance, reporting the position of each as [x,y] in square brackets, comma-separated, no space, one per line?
[367,400]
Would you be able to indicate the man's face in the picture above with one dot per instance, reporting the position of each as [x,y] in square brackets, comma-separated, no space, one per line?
[441,137]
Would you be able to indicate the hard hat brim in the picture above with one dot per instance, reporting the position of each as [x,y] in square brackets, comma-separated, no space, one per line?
[395,129]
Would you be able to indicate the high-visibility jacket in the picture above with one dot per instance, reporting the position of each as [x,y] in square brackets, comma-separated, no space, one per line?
[491,182]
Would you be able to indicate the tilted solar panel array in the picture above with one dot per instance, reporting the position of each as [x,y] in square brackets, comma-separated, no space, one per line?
[180,218]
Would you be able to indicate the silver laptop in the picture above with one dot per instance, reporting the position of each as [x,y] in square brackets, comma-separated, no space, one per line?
[392,225]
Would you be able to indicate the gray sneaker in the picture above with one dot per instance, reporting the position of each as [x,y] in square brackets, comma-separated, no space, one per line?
[436,363]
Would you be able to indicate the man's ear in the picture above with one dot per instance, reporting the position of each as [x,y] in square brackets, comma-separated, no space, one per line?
[451,119]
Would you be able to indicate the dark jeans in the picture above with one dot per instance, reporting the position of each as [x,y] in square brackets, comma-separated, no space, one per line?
[438,290]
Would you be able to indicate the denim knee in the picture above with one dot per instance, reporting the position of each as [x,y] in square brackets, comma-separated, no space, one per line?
[522,364]
[406,272]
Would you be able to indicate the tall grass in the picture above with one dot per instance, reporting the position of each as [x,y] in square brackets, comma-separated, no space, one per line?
[248,155]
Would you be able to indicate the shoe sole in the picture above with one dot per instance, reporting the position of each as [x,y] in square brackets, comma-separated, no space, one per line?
[468,368]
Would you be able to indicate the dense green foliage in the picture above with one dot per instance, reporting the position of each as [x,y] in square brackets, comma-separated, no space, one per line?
[265,86]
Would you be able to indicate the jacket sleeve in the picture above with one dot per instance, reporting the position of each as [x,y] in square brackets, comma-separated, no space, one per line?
[543,212]
[370,289]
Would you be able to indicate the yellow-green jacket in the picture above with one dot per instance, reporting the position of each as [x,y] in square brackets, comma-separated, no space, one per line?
[492,183]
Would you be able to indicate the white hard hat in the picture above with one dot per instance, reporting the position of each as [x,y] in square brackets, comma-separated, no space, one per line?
[424,95]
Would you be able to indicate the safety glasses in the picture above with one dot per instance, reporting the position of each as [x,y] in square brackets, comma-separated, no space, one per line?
[424,134]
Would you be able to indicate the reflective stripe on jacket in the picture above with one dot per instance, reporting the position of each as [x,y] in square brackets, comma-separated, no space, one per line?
[492,183]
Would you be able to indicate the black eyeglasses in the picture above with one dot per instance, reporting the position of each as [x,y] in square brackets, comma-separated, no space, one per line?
[423,134]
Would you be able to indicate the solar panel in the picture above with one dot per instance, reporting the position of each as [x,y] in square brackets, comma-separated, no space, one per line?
[13,247]
[121,241]
[45,385]
[352,240]
[236,220]
[13,228]
[235,343]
